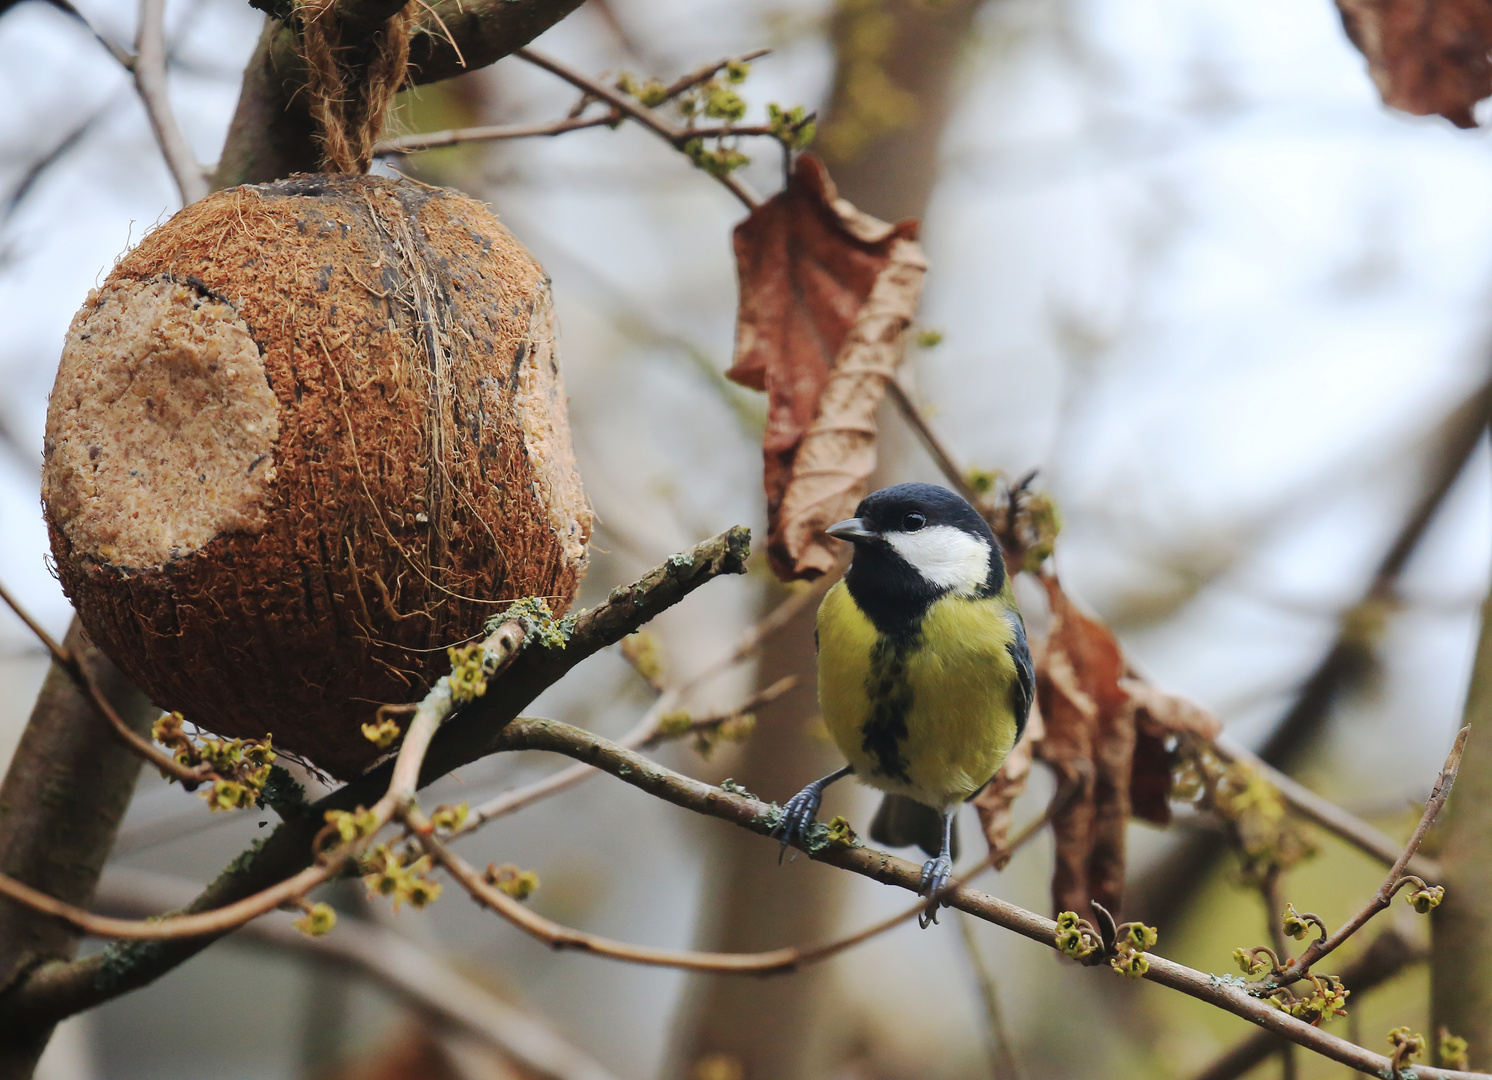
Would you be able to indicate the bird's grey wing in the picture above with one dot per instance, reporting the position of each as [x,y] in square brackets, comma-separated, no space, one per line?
[1023,690]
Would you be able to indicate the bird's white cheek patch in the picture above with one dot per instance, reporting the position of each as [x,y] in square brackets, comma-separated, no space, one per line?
[949,558]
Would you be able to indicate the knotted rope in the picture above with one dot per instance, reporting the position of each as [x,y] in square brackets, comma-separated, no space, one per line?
[350,88]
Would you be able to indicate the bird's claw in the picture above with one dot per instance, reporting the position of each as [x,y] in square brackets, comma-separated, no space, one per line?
[797,816]
[935,876]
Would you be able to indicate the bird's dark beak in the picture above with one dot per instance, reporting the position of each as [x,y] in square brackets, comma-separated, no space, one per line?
[853,530]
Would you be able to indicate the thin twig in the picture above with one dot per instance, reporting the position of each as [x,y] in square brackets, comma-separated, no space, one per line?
[1297,968]
[1322,811]
[1390,953]
[700,725]
[761,818]
[1269,892]
[218,921]
[150,81]
[1003,1065]
[646,117]
[503,644]
[645,730]
[117,51]
[773,962]
[59,654]
[190,776]
[575,121]
[414,974]
[708,71]
[942,457]
[434,140]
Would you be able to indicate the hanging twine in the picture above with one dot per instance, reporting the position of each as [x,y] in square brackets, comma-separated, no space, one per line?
[350,100]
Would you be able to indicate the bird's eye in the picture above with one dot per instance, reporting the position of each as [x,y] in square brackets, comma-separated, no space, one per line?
[913,521]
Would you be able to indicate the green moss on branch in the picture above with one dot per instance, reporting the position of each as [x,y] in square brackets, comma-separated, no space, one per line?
[59,989]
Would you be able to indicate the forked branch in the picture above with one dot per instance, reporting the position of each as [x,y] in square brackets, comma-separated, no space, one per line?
[622,103]
[58,989]
[501,646]
[1298,968]
[757,816]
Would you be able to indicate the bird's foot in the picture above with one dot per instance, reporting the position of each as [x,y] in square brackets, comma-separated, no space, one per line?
[935,876]
[797,817]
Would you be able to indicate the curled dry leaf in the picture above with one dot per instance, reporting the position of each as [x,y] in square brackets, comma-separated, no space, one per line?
[1425,56]
[827,293]
[1105,732]
[1090,742]
[1158,715]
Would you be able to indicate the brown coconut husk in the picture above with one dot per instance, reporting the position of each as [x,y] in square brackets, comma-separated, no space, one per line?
[307,435]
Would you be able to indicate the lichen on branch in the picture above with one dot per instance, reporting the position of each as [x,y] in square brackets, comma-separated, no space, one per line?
[55,990]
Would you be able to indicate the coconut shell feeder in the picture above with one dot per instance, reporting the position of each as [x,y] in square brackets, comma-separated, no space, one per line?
[305,436]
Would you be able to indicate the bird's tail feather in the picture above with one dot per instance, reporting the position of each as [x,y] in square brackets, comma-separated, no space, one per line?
[902,822]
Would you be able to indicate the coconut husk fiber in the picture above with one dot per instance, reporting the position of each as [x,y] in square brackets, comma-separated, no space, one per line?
[307,435]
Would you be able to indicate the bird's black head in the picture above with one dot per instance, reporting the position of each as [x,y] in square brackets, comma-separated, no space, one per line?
[913,543]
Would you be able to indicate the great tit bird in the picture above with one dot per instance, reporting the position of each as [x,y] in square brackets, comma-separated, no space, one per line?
[925,679]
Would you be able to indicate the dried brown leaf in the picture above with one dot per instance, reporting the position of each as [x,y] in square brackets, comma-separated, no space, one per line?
[1150,777]
[1090,742]
[1164,713]
[1425,56]
[827,293]
[1158,715]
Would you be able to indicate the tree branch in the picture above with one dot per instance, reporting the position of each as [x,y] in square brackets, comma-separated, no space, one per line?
[675,136]
[1325,813]
[1390,953]
[137,743]
[1174,881]
[415,975]
[500,647]
[117,51]
[937,449]
[772,962]
[272,136]
[1296,969]
[149,69]
[1227,993]
[646,729]
[644,734]
[1003,1063]
[434,140]
[56,990]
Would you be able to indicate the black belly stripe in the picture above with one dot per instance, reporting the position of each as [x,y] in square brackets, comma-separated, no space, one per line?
[891,701]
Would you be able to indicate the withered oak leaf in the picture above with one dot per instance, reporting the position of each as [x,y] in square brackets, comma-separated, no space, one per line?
[827,293]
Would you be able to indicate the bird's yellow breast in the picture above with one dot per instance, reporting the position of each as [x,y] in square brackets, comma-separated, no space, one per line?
[931,717]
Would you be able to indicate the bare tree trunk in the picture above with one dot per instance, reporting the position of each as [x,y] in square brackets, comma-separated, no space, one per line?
[63,797]
[891,100]
[1461,928]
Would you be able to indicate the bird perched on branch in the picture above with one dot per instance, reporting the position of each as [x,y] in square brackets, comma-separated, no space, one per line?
[925,679]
